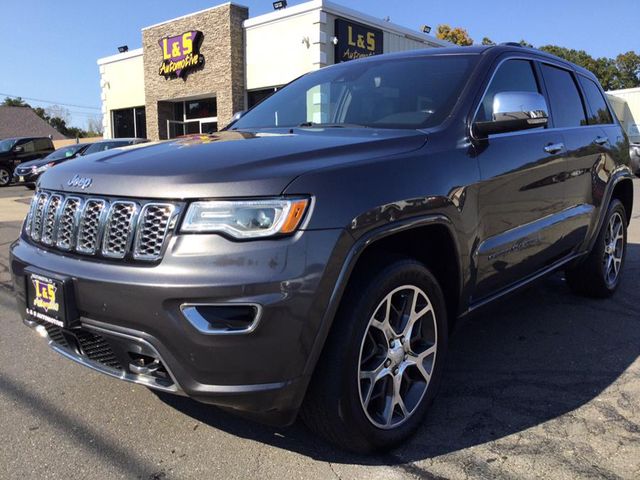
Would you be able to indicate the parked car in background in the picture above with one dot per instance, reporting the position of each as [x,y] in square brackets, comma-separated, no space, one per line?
[113,143]
[28,173]
[634,151]
[14,151]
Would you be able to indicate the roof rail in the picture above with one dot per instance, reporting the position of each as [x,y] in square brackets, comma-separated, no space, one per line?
[511,44]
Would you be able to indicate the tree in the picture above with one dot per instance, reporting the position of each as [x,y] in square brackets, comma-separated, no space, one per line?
[487,41]
[628,67]
[456,35]
[56,111]
[14,102]
[94,127]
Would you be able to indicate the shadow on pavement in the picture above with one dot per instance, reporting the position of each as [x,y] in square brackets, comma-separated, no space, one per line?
[530,359]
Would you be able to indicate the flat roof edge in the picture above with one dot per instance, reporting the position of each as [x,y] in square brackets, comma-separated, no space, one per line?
[164,22]
[120,56]
[343,11]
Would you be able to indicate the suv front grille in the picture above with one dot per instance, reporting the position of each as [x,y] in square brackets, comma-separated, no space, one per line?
[111,228]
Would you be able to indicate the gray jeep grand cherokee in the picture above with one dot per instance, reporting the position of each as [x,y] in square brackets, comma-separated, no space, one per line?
[315,256]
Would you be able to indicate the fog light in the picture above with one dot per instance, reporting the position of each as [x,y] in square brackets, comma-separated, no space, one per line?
[221,319]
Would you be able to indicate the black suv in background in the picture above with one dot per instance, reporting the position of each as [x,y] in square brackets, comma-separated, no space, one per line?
[14,151]
[315,256]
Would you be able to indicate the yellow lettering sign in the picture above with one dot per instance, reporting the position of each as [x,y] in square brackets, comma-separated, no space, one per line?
[350,39]
[371,41]
[187,43]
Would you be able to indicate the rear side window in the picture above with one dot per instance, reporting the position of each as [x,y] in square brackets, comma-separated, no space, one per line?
[598,110]
[27,146]
[511,76]
[567,108]
[43,144]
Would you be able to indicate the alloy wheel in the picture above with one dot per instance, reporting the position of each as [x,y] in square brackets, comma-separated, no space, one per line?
[613,248]
[397,356]
[5,178]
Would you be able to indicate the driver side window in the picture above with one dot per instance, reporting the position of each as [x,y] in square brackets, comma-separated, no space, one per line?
[512,76]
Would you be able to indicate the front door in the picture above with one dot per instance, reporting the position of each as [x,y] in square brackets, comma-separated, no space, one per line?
[521,197]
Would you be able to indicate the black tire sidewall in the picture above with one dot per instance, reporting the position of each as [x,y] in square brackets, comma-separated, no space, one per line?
[400,273]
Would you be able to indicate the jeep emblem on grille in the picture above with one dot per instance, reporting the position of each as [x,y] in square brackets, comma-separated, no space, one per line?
[81,182]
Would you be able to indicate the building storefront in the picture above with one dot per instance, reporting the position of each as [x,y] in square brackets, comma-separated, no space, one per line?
[194,72]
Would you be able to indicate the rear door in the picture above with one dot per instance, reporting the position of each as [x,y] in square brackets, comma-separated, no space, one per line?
[521,195]
[586,142]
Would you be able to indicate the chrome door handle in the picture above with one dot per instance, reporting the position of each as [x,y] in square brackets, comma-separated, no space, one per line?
[554,148]
[601,140]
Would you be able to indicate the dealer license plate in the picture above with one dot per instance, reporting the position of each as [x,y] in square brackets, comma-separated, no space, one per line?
[45,299]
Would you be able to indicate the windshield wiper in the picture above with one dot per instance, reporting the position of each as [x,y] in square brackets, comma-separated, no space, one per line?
[331,125]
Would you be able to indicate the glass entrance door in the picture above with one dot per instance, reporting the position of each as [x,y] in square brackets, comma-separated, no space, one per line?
[193,117]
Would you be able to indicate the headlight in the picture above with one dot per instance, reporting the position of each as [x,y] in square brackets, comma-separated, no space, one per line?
[246,218]
[44,167]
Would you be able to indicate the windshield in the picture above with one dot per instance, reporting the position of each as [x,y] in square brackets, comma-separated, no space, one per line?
[102,146]
[409,93]
[64,152]
[6,145]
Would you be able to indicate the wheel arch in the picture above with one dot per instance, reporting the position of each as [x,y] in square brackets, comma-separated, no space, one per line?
[623,191]
[381,238]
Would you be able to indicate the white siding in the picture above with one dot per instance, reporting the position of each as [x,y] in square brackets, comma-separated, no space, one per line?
[122,85]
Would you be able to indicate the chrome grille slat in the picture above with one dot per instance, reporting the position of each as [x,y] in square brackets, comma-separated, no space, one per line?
[68,223]
[91,221]
[100,226]
[118,231]
[50,219]
[153,225]
[38,213]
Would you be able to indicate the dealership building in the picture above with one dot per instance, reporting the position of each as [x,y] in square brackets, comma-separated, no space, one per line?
[194,72]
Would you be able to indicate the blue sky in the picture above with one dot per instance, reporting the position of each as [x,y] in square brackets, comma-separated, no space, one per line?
[54,45]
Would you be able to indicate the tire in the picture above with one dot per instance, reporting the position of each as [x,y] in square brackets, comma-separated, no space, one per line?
[31,186]
[5,176]
[334,406]
[599,275]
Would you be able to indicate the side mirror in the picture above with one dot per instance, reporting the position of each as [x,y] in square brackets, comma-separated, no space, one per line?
[238,115]
[18,149]
[513,111]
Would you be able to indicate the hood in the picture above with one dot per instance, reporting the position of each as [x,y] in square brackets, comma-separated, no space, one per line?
[226,164]
[36,163]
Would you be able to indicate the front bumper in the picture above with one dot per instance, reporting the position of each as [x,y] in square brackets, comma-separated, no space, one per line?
[26,177]
[261,371]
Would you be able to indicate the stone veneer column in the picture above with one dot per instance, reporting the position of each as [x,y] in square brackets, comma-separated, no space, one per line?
[222,76]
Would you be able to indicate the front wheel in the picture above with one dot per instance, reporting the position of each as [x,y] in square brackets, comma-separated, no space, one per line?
[599,275]
[383,360]
[5,176]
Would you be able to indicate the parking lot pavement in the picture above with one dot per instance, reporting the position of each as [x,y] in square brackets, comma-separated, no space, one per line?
[546,385]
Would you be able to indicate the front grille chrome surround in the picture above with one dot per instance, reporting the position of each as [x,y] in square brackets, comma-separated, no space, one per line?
[102,227]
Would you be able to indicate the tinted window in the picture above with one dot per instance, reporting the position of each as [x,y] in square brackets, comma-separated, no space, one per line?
[141,122]
[201,108]
[43,144]
[123,123]
[64,152]
[390,93]
[28,146]
[598,111]
[102,146]
[512,76]
[566,106]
